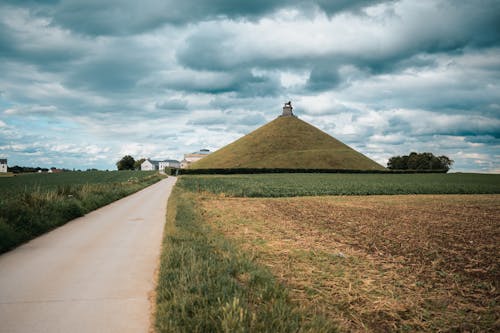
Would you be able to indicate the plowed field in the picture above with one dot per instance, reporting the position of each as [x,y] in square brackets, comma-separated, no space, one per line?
[377,263]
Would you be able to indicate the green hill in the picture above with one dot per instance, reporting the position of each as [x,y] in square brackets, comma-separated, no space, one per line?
[289,143]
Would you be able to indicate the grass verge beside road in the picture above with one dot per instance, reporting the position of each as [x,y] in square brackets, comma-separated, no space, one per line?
[34,204]
[208,285]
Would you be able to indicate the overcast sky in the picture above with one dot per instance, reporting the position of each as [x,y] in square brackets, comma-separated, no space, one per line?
[84,82]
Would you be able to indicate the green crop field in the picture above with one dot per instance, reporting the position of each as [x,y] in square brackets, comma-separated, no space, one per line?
[47,181]
[288,185]
[32,204]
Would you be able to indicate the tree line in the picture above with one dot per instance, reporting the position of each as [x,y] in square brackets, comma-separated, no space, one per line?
[127,162]
[419,161]
[413,161]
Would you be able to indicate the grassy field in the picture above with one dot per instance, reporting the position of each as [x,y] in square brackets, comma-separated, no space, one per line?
[288,185]
[32,204]
[379,263]
[51,181]
[208,285]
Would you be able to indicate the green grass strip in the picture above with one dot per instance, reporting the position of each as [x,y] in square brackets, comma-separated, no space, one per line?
[207,285]
[31,210]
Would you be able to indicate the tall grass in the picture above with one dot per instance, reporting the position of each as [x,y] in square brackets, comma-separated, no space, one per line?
[36,209]
[208,285]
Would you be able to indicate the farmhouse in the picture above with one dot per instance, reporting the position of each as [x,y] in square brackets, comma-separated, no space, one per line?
[3,165]
[194,157]
[151,165]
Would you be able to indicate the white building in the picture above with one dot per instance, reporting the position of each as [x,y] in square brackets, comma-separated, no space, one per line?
[3,165]
[168,164]
[193,157]
[151,165]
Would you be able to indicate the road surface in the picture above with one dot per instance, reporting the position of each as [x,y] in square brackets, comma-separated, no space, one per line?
[93,274]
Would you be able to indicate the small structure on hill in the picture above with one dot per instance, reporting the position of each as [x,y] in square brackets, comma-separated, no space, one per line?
[288,110]
[288,143]
[151,165]
[3,165]
[193,157]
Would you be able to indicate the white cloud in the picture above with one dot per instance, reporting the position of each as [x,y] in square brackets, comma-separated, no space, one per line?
[77,89]
[32,109]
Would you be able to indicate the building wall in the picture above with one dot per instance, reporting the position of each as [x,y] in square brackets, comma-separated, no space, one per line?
[163,165]
[191,158]
[147,166]
[3,167]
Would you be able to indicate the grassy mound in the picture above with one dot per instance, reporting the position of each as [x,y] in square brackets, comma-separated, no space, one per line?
[287,142]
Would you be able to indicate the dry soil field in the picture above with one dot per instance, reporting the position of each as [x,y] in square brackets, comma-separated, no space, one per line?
[376,263]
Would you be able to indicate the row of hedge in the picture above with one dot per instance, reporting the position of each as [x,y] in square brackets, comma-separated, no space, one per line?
[237,171]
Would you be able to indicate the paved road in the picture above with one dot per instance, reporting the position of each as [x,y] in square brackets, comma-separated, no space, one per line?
[90,275]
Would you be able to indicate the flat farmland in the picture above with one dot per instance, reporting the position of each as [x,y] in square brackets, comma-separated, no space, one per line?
[353,252]
[375,263]
[47,181]
[297,184]
[32,204]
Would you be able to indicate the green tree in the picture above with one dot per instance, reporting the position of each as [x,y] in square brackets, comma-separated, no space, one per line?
[419,161]
[137,164]
[446,162]
[126,163]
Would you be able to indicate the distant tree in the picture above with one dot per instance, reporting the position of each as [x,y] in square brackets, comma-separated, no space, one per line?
[126,163]
[446,162]
[419,161]
[137,164]
[397,163]
[24,169]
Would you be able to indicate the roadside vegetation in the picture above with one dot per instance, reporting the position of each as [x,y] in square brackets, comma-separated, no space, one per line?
[404,263]
[33,204]
[296,184]
[208,285]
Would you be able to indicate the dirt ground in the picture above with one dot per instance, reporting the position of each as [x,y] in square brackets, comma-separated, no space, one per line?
[377,263]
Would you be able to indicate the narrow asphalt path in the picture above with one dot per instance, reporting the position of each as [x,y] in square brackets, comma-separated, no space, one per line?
[93,274]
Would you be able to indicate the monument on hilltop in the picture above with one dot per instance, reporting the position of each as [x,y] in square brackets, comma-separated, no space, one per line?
[288,110]
[287,143]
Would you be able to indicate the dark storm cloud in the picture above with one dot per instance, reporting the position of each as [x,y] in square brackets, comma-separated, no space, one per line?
[322,79]
[113,74]
[119,17]
[244,83]
[30,40]
[332,7]
[445,26]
